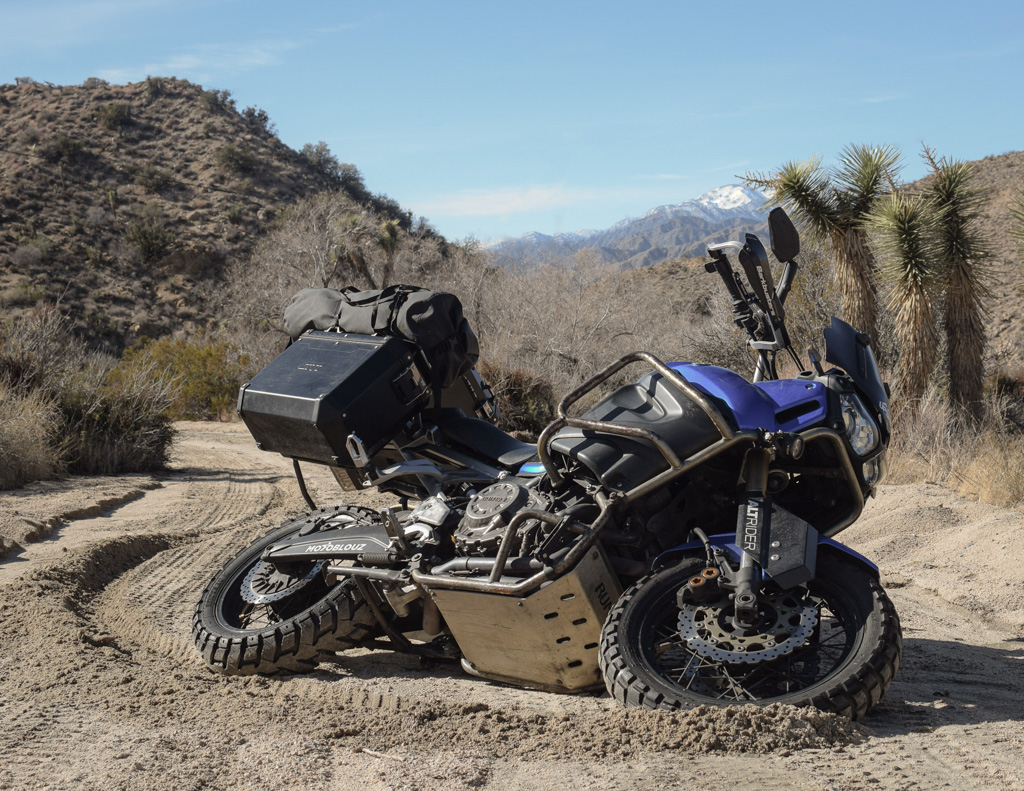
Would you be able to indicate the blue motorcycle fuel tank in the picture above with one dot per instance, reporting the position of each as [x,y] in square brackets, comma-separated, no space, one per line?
[780,405]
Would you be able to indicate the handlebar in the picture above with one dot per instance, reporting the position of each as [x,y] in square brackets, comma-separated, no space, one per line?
[767,331]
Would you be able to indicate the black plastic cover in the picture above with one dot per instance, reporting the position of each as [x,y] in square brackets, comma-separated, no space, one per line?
[342,542]
[326,386]
[652,403]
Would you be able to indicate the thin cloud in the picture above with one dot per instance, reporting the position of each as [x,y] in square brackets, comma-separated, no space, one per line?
[992,52]
[731,166]
[506,200]
[203,62]
[52,25]
[890,97]
[665,177]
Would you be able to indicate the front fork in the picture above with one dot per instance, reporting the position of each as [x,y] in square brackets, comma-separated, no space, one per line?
[750,532]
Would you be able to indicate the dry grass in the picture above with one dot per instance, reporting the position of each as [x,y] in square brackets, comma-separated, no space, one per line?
[938,444]
[28,426]
[65,408]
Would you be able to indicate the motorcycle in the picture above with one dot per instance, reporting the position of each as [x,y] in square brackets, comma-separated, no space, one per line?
[675,541]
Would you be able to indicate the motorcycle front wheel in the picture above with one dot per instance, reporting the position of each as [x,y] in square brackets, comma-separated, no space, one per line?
[834,643]
[255,617]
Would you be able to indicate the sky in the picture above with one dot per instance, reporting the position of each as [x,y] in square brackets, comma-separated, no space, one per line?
[497,119]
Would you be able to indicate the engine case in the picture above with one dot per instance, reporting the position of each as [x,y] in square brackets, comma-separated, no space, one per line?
[481,530]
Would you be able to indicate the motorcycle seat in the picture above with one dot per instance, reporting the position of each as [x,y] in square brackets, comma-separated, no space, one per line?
[484,440]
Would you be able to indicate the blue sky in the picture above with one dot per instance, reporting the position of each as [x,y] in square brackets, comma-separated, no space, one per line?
[498,119]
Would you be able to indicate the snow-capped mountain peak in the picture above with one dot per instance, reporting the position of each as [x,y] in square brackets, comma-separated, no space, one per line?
[716,204]
[674,230]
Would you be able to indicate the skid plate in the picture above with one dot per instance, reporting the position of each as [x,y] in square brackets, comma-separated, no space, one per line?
[548,640]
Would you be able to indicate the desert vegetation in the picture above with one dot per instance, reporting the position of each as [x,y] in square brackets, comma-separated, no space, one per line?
[921,250]
[172,274]
[64,408]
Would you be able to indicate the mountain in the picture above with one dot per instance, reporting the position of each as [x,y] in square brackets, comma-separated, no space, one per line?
[681,230]
[128,203]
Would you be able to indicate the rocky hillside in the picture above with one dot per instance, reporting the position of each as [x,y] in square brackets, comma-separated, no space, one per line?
[1002,179]
[126,203]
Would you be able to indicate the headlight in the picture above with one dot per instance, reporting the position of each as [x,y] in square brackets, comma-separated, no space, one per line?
[874,469]
[861,429]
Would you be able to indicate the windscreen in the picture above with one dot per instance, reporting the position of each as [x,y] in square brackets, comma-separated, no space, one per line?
[851,351]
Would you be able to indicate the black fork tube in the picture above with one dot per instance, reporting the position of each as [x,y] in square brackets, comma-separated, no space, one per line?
[755,472]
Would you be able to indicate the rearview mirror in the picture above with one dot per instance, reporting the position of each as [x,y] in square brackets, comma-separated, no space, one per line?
[785,240]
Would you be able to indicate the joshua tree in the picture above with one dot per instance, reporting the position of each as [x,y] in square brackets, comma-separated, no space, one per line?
[907,239]
[351,234]
[833,205]
[965,274]
[388,240]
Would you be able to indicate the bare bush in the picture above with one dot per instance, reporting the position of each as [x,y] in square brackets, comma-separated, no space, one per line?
[97,217]
[110,415]
[27,257]
[937,443]
[29,424]
[116,416]
[322,242]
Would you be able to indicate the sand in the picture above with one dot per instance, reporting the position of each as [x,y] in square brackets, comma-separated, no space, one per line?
[101,687]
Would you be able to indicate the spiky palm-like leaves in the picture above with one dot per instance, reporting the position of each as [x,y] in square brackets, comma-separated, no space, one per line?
[966,273]
[833,205]
[1017,212]
[907,242]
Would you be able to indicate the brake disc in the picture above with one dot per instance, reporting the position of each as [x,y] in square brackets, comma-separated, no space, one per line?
[266,583]
[784,624]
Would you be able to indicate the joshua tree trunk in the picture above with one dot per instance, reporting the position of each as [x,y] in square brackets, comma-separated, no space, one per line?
[915,329]
[855,276]
[965,338]
[358,262]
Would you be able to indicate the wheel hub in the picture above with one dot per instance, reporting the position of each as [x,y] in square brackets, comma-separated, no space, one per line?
[267,583]
[784,623]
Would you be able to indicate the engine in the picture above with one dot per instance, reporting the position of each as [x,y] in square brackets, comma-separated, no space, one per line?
[489,512]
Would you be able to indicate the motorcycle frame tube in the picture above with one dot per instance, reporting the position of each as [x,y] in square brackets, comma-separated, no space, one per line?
[367,572]
[564,419]
[588,535]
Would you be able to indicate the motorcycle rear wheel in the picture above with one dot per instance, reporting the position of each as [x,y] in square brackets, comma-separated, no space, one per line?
[845,666]
[294,631]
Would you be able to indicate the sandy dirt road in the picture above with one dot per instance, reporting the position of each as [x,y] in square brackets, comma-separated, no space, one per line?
[100,686]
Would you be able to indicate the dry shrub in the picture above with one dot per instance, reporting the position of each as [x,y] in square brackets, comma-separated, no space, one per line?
[564,323]
[109,415]
[116,416]
[28,427]
[996,473]
[526,403]
[935,443]
[206,373]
